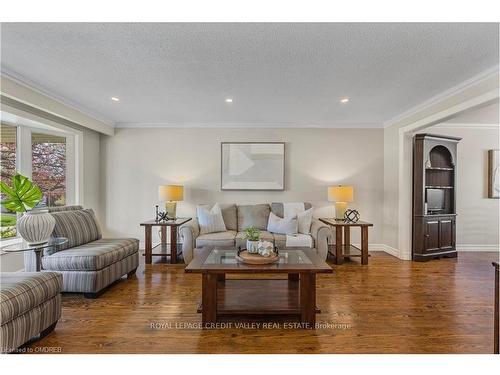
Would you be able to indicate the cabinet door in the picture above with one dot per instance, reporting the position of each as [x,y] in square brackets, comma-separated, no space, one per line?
[446,234]
[432,235]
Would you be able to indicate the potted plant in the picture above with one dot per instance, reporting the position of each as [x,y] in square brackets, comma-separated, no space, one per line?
[252,235]
[35,226]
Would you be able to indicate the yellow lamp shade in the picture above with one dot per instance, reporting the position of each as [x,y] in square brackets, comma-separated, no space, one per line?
[340,193]
[171,193]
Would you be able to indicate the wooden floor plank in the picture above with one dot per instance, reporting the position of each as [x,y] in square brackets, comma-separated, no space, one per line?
[389,306]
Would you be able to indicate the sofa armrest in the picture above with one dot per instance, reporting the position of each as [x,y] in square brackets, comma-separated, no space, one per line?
[322,234]
[188,233]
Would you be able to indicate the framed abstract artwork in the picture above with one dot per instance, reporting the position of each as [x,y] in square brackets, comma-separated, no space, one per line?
[252,165]
[493,174]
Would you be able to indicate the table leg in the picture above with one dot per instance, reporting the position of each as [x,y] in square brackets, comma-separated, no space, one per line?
[208,299]
[495,324]
[293,277]
[347,240]
[308,299]
[148,229]
[38,255]
[173,244]
[364,245]
[339,257]
[163,230]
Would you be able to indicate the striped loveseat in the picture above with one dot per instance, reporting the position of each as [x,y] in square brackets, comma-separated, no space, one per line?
[87,262]
[30,306]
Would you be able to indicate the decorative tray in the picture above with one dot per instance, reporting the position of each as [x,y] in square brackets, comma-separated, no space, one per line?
[245,257]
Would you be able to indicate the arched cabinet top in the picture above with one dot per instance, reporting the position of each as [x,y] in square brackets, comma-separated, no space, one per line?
[439,151]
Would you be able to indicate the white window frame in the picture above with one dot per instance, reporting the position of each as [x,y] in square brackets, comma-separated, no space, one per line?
[29,123]
[25,167]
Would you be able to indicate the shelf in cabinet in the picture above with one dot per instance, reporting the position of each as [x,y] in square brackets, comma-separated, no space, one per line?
[440,169]
[438,187]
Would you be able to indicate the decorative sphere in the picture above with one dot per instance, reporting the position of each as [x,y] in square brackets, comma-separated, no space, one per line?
[265,248]
[351,215]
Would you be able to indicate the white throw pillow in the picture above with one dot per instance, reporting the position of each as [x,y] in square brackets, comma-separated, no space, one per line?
[305,219]
[210,221]
[276,224]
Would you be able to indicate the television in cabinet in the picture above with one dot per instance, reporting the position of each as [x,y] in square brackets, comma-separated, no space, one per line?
[434,195]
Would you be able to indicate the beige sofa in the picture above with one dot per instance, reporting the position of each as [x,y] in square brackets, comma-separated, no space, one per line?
[237,218]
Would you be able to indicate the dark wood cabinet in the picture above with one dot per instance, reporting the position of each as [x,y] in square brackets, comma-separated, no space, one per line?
[431,235]
[434,194]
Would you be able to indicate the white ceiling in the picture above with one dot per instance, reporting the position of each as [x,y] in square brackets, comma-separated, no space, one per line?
[277,74]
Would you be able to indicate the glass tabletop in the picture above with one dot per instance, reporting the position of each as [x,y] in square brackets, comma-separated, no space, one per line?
[24,246]
[228,256]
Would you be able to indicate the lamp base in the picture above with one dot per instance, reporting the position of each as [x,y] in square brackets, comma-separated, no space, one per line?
[170,210]
[340,208]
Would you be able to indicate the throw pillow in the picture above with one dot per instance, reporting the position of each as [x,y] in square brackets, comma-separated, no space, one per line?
[305,219]
[210,221]
[280,225]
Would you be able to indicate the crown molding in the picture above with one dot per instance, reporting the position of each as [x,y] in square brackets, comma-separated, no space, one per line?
[482,78]
[243,125]
[21,80]
[457,125]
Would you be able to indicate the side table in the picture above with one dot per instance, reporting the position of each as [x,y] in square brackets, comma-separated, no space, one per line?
[39,249]
[148,238]
[343,247]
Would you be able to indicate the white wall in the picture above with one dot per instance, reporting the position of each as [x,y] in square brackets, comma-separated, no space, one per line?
[478,217]
[92,172]
[138,160]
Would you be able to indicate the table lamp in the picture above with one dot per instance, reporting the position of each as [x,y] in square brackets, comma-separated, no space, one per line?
[171,194]
[341,195]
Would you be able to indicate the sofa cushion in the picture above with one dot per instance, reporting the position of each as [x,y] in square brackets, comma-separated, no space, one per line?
[91,256]
[255,215]
[79,226]
[218,239]
[242,242]
[280,241]
[64,208]
[277,208]
[23,291]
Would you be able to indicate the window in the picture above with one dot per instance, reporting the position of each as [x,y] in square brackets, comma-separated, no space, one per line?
[46,152]
[48,167]
[8,158]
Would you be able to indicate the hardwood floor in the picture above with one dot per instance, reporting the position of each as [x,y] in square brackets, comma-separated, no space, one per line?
[389,306]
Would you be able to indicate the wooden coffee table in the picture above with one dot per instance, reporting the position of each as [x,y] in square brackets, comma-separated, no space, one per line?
[294,296]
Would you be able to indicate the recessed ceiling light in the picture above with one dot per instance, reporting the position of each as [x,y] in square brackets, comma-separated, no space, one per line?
[344,100]
[115,99]
[229,100]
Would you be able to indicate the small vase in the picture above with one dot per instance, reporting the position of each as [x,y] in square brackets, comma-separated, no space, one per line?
[252,247]
[36,226]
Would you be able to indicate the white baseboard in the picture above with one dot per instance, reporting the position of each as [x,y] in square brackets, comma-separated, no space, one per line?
[391,251]
[478,248]
[381,247]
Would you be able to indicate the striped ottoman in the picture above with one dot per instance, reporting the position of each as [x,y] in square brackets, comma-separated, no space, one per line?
[30,306]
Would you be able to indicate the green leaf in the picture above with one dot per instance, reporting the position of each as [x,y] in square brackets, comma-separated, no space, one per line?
[23,195]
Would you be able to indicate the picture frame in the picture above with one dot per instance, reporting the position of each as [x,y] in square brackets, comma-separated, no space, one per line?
[494,174]
[253,166]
